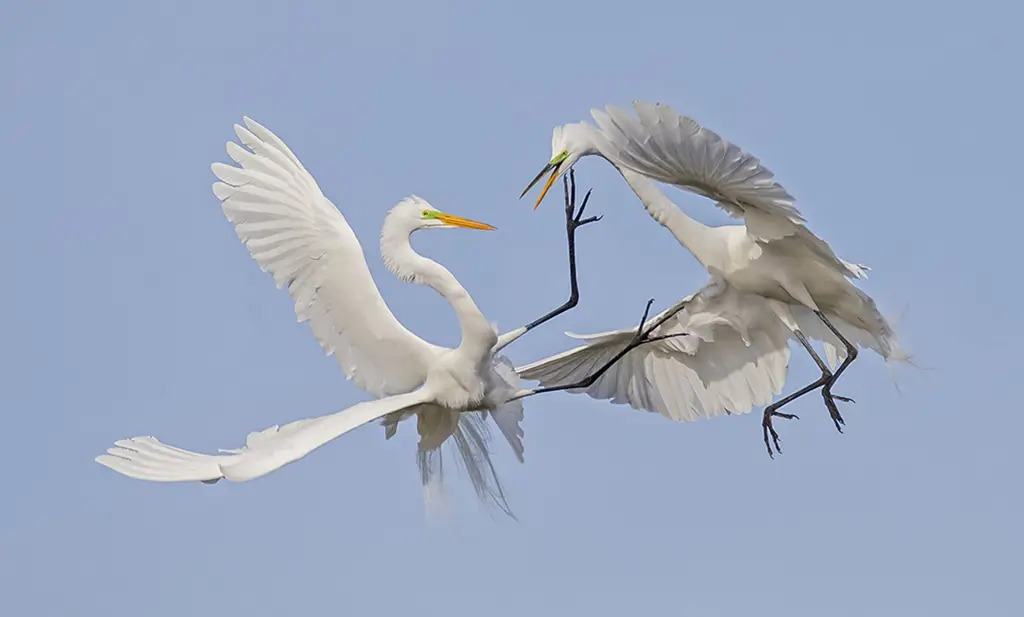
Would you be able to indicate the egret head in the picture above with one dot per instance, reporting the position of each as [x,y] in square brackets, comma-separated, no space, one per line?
[569,143]
[414,213]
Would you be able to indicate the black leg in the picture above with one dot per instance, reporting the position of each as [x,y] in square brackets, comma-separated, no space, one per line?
[772,411]
[642,337]
[851,355]
[825,382]
[573,221]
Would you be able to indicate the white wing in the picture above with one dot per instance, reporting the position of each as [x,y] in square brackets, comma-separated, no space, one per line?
[677,150]
[509,417]
[734,357]
[146,458]
[297,235]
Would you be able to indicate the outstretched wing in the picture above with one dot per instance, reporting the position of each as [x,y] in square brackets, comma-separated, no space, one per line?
[146,458]
[675,149]
[298,236]
[734,356]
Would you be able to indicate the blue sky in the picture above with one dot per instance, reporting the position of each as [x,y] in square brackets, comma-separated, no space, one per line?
[131,308]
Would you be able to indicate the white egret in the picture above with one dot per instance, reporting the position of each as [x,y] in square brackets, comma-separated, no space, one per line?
[298,236]
[776,269]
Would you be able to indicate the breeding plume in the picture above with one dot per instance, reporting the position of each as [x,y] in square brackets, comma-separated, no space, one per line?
[301,239]
[772,279]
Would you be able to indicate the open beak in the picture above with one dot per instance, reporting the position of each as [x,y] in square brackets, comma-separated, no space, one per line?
[458,221]
[553,168]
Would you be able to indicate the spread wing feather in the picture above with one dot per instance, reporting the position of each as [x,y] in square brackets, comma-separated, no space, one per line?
[667,147]
[301,239]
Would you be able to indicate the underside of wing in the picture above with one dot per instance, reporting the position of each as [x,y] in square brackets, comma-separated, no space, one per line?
[725,362]
[667,147]
[298,236]
[146,458]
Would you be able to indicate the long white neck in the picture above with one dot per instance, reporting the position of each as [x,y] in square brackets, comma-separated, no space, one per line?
[477,334]
[702,241]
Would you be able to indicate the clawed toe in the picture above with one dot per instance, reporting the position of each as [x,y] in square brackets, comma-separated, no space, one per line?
[574,216]
[833,410]
[769,430]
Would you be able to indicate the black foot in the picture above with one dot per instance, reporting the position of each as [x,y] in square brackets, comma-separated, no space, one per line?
[644,331]
[574,218]
[833,409]
[766,425]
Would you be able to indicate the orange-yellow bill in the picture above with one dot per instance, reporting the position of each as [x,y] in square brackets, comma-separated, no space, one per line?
[554,165]
[458,221]
[544,191]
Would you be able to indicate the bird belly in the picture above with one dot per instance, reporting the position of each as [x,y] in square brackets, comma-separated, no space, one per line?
[459,388]
[792,281]
[755,278]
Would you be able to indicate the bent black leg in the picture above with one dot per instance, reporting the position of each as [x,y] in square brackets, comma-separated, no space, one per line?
[771,411]
[573,221]
[641,337]
[851,355]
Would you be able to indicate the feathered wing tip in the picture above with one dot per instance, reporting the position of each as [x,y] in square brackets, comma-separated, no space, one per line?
[859,271]
[509,417]
[146,458]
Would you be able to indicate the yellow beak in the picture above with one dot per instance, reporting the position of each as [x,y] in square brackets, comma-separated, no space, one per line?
[551,180]
[554,166]
[458,221]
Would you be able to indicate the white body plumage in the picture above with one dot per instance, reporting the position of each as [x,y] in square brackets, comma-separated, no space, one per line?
[301,239]
[769,275]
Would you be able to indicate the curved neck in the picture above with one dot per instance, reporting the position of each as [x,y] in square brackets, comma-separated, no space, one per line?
[699,239]
[477,334]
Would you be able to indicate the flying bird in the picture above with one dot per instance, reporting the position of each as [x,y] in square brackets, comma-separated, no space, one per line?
[770,271]
[302,240]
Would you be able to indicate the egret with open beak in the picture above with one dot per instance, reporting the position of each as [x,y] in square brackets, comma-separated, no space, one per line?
[555,166]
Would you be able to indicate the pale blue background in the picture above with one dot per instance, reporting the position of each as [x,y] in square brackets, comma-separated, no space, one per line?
[131,308]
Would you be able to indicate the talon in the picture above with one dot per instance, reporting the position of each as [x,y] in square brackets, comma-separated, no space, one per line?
[583,206]
[769,429]
[844,399]
[647,311]
[833,411]
[765,427]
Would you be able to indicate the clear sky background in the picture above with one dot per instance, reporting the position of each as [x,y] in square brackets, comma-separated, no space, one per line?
[130,308]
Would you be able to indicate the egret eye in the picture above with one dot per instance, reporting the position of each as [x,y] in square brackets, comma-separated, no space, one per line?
[426,213]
